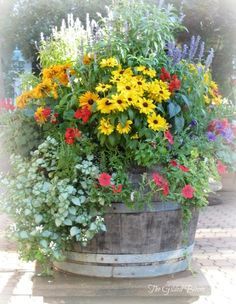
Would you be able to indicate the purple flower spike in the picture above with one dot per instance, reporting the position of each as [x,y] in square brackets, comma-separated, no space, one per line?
[193,123]
[211,136]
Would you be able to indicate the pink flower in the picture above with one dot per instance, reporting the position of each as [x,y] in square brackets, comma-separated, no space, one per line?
[221,168]
[169,137]
[104,180]
[158,179]
[187,191]
[161,182]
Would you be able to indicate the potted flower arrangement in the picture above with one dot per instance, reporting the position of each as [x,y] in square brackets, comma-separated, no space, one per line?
[123,159]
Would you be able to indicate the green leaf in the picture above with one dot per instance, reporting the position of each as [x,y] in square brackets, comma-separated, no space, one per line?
[23,235]
[43,243]
[179,123]
[69,114]
[186,100]
[93,227]
[74,231]
[112,139]
[58,222]
[38,218]
[72,210]
[76,201]
[173,109]
[68,222]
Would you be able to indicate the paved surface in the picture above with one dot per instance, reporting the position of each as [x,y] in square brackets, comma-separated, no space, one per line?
[215,254]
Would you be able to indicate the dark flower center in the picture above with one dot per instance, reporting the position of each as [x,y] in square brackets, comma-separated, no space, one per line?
[145,104]
[130,99]
[108,102]
[155,121]
[119,101]
[90,102]
[139,82]
[128,88]
[161,92]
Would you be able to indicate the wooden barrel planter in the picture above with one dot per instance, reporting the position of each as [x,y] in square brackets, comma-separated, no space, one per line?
[137,244]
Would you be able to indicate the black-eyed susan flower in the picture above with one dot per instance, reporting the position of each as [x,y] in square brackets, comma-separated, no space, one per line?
[105,126]
[105,105]
[102,87]
[146,106]
[120,102]
[146,71]
[124,129]
[157,122]
[159,90]
[109,62]
[87,59]
[88,99]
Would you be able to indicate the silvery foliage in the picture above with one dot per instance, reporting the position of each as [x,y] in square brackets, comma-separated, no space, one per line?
[49,211]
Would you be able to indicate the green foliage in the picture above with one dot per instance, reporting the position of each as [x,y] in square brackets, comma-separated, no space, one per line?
[128,22]
[19,134]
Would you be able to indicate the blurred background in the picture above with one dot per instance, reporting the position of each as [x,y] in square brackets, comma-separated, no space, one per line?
[23,21]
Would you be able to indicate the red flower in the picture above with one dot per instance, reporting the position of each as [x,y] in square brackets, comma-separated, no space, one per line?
[71,135]
[175,84]
[174,163]
[169,137]
[188,191]
[165,75]
[117,189]
[221,168]
[104,180]
[183,168]
[83,113]
[161,182]
[46,112]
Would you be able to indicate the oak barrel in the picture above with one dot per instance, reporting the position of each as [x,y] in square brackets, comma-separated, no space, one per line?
[138,243]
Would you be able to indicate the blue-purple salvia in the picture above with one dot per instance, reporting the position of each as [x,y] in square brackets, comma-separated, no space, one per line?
[191,48]
[201,52]
[193,123]
[195,47]
[185,51]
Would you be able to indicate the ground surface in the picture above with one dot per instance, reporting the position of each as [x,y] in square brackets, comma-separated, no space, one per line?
[215,254]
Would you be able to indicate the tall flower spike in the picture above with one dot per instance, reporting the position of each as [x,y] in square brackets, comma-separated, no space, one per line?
[201,52]
[209,59]
[195,48]
[191,49]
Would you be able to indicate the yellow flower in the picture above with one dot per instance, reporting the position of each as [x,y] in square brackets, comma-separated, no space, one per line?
[157,123]
[87,59]
[217,100]
[126,84]
[39,116]
[213,85]
[146,71]
[132,98]
[109,62]
[105,126]
[207,99]
[159,90]
[23,99]
[88,99]
[124,129]
[120,102]
[146,106]
[105,105]
[122,72]
[135,136]
[43,89]
[102,87]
